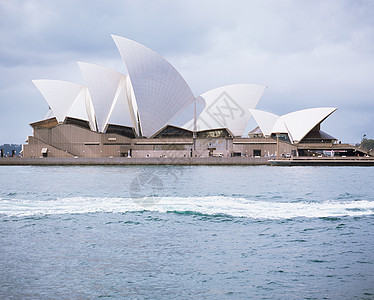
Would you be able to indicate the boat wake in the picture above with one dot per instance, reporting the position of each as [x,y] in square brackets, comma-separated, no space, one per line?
[210,205]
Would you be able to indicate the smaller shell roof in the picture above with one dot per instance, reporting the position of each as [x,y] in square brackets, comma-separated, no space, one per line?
[265,120]
[60,95]
[297,124]
[300,122]
[108,92]
[227,107]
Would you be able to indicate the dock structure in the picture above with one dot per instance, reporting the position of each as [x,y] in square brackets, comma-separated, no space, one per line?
[324,161]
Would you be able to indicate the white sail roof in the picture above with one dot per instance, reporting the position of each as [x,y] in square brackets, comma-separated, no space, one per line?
[297,124]
[227,107]
[107,90]
[265,120]
[160,91]
[60,95]
[90,110]
[300,122]
[78,108]
[82,108]
[133,106]
[152,96]
[120,113]
[187,115]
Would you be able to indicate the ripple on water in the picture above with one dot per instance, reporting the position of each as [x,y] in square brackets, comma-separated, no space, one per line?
[205,242]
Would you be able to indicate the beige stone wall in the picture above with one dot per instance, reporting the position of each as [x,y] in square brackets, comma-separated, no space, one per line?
[266,146]
[34,149]
[69,140]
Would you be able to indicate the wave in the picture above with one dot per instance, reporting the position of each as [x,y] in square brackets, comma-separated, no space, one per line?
[210,205]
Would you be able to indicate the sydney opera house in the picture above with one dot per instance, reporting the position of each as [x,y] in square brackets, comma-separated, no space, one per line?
[152,112]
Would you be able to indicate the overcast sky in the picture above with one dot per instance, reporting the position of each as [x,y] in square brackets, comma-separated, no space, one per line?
[308,53]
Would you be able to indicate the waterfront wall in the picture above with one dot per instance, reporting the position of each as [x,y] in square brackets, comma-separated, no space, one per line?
[136,161]
[304,161]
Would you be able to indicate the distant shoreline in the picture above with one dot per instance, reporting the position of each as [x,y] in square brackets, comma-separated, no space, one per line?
[189,161]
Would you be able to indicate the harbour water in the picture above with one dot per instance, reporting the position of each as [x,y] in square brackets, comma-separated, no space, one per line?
[186,232]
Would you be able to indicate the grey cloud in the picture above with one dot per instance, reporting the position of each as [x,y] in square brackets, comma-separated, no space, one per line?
[309,53]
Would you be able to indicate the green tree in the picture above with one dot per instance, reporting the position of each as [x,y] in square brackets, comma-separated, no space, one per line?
[366,143]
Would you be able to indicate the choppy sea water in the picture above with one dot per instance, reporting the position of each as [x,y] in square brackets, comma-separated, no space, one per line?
[199,232]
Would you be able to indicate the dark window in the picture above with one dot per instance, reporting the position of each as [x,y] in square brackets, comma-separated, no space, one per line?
[121,130]
[174,132]
[282,137]
[77,122]
[256,152]
[219,133]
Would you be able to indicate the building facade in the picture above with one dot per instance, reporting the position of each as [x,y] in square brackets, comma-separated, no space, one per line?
[152,112]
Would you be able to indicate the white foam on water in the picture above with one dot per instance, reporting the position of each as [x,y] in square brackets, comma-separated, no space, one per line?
[210,205]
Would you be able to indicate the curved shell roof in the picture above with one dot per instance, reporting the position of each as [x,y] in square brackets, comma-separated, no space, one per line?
[227,107]
[67,99]
[78,109]
[188,114]
[160,91]
[297,124]
[152,96]
[155,95]
[300,122]
[60,95]
[266,120]
[108,93]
